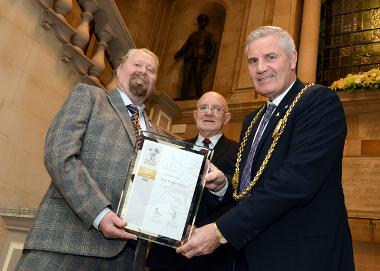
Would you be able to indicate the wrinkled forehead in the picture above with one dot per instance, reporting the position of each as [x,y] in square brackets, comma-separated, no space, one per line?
[271,44]
[212,99]
[266,43]
[143,57]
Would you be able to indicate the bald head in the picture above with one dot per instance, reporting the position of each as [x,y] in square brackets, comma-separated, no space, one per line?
[211,114]
[215,97]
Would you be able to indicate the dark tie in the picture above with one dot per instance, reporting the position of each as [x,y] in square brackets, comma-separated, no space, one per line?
[206,142]
[135,118]
[246,176]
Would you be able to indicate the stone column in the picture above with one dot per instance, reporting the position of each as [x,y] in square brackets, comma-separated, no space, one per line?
[105,36]
[82,37]
[308,49]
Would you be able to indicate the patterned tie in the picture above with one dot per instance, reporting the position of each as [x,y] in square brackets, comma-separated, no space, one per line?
[141,248]
[206,142]
[135,120]
[246,176]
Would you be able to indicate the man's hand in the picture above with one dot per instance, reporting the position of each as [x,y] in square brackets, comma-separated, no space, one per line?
[202,242]
[112,226]
[215,180]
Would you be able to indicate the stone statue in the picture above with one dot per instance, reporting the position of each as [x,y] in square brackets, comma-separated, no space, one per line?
[197,52]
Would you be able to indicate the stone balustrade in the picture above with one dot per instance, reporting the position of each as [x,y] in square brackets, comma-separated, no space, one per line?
[111,34]
[112,41]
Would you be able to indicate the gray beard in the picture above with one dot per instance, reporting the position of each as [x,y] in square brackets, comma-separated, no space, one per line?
[136,88]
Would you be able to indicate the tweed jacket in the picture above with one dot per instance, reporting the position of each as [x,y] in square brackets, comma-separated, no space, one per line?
[87,153]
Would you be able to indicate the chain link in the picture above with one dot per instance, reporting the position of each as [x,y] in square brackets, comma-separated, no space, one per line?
[280,127]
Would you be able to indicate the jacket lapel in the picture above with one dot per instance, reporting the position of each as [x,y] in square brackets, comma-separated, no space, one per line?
[149,126]
[219,152]
[279,113]
[249,142]
[120,108]
[193,140]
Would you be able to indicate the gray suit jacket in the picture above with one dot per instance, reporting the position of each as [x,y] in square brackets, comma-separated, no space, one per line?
[87,153]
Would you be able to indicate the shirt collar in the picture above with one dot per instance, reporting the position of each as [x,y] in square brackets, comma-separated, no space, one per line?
[127,101]
[279,98]
[214,139]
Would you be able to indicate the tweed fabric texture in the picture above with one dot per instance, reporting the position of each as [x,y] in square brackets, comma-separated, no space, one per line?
[88,149]
[47,261]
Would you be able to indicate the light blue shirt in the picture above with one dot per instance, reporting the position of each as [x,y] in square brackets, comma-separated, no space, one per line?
[127,101]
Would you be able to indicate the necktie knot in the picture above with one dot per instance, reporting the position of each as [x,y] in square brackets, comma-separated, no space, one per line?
[270,109]
[135,121]
[206,142]
[133,109]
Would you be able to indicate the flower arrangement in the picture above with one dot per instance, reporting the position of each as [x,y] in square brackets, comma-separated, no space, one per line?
[358,82]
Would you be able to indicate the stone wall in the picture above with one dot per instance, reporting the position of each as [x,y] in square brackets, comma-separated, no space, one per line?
[34,85]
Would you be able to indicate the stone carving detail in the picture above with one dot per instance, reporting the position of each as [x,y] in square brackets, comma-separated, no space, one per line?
[105,16]
[63,7]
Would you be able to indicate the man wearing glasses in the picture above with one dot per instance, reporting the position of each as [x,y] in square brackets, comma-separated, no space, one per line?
[210,115]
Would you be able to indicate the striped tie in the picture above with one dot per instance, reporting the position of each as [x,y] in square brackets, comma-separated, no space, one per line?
[135,119]
[206,142]
[246,176]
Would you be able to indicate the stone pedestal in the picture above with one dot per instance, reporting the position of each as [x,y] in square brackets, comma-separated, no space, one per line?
[17,223]
[162,109]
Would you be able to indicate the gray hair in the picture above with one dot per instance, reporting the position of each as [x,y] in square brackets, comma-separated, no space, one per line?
[135,50]
[286,41]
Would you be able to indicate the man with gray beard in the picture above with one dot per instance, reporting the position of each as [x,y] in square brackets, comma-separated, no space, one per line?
[88,150]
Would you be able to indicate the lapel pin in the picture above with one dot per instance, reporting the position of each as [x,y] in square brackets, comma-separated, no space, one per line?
[278,114]
[286,106]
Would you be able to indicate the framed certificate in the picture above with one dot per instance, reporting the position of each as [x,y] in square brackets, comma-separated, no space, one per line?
[164,186]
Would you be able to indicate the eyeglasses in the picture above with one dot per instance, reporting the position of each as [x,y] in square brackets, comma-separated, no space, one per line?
[216,109]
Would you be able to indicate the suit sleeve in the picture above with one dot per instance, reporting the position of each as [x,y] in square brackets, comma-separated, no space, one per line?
[63,156]
[317,133]
[211,205]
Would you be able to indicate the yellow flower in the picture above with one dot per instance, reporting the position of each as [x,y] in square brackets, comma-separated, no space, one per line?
[358,82]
